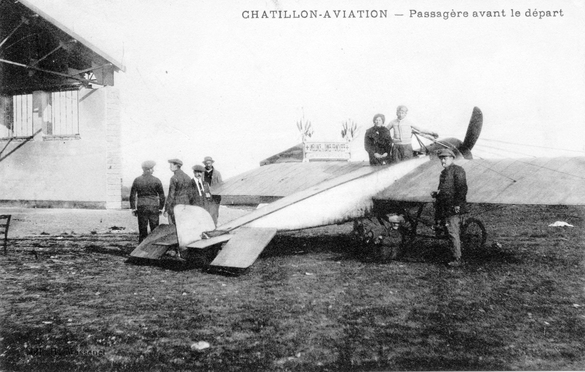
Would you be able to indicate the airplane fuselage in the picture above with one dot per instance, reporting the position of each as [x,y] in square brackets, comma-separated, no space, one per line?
[331,203]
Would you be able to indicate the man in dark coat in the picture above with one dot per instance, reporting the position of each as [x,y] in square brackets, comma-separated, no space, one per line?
[147,199]
[451,201]
[378,142]
[213,178]
[201,194]
[180,189]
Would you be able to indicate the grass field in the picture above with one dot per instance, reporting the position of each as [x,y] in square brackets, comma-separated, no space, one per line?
[312,302]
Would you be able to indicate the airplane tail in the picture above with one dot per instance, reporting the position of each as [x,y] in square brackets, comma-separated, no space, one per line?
[191,222]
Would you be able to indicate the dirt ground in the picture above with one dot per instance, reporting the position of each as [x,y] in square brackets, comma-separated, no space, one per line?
[41,221]
[314,301]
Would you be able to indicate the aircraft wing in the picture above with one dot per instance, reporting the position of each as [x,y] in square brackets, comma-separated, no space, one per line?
[274,181]
[547,181]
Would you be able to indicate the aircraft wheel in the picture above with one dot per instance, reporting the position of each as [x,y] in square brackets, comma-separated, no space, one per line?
[408,234]
[473,234]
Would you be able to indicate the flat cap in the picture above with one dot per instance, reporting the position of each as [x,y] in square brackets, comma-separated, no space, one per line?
[149,164]
[176,161]
[445,152]
[208,158]
[198,168]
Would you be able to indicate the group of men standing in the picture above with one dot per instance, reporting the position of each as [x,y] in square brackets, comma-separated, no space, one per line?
[384,145]
[147,198]
[392,143]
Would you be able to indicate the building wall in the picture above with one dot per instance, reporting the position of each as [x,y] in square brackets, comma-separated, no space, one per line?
[113,150]
[72,171]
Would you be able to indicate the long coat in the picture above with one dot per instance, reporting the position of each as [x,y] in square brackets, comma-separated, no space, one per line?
[213,178]
[201,198]
[378,140]
[180,191]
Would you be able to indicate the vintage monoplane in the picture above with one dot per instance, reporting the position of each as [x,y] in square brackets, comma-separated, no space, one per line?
[302,195]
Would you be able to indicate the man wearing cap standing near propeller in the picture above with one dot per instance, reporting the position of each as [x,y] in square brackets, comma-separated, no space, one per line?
[147,199]
[180,189]
[213,178]
[451,200]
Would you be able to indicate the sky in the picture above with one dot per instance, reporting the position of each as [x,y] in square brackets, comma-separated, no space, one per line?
[204,78]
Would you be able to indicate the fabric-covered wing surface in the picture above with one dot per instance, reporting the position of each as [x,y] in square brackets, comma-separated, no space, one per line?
[546,181]
[270,182]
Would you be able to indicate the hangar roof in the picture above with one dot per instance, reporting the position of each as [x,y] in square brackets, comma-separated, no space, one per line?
[38,52]
[96,49]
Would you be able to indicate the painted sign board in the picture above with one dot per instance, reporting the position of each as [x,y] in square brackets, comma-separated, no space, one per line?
[313,151]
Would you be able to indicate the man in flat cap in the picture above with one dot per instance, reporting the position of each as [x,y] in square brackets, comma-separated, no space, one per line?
[147,199]
[213,178]
[451,201]
[180,189]
[201,194]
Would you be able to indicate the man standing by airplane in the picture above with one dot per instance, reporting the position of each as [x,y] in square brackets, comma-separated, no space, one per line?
[213,178]
[201,194]
[451,201]
[180,189]
[147,199]
[402,129]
